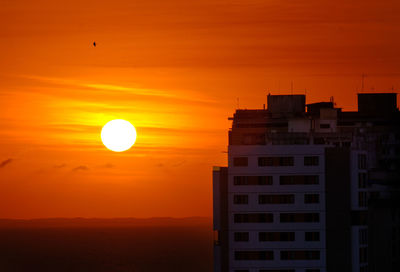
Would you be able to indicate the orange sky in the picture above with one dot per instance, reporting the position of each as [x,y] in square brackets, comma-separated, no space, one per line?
[174,69]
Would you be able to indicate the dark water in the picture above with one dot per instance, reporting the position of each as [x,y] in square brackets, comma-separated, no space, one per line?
[133,248]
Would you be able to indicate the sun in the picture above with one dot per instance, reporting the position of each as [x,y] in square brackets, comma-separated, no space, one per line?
[118,135]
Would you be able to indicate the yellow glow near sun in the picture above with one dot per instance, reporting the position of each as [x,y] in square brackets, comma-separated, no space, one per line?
[118,135]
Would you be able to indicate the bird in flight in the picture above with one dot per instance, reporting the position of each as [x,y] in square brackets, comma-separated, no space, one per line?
[94,44]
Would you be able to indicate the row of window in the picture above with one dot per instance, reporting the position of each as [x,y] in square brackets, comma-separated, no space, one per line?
[277,236]
[362,180]
[284,255]
[278,270]
[243,199]
[362,199]
[283,180]
[269,217]
[276,161]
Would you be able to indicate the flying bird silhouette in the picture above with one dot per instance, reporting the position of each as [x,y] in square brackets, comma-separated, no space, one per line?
[94,44]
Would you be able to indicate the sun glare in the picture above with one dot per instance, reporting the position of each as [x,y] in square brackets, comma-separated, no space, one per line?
[118,135]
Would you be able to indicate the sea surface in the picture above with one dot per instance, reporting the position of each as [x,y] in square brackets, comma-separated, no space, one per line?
[106,245]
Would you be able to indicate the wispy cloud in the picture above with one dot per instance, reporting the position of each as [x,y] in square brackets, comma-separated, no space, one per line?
[119,89]
[107,165]
[5,162]
[80,168]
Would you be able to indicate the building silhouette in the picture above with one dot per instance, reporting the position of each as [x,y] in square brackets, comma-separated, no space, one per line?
[310,190]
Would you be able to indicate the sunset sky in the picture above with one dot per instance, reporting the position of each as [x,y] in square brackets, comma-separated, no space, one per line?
[175,69]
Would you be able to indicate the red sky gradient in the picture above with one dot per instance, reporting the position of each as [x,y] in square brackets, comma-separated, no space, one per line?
[174,69]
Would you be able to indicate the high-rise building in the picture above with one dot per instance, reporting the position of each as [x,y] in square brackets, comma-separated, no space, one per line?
[310,190]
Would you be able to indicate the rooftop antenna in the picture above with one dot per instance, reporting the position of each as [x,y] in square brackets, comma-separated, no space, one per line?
[362,82]
[237,100]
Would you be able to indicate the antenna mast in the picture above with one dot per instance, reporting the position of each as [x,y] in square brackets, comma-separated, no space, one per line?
[362,82]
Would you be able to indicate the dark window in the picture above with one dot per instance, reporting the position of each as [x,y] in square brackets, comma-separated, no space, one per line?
[254,255]
[252,180]
[311,160]
[276,236]
[311,198]
[298,180]
[253,139]
[362,199]
[300,255]
[363,254]
[242,270]
[324,125]
[240,161]
[319,141]
[275,199]
[216,235]
[345,144]
[363,236]
[299,217]
[253,218]
[240,199]
[277,270]
[359,218]
[362,161]
[241,236]
[312,270]
[311,236]
[362,180]
[275,161]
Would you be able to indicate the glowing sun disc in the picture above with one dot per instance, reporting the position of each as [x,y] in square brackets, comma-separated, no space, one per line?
[118,135]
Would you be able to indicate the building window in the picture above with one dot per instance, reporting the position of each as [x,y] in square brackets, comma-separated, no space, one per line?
[324,126]
[363,236]
[311,198]
[276,270]
[362,161]
[241,236]
[241,270]
[363,254]
[319,141]
[275,161]
[275,199]
[311,236]
[240,161]
[252,180]
[362,199]
[299,217]
[359,218]
[298,180]
[312,270]
[254,255]
[311,160]
[240,199]
[253,218]
[276,236]
[216,236]
[300,255]
[362,180]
